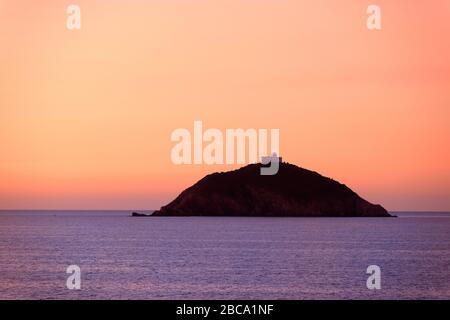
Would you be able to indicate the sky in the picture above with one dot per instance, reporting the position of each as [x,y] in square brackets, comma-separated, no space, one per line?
[86,115]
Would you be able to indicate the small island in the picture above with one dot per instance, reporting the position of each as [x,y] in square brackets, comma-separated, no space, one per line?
[137,214]
[292,192]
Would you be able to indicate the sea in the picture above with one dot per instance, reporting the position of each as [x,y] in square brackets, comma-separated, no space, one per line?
[123,257]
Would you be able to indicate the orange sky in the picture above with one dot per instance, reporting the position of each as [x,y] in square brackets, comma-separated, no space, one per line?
[86,116]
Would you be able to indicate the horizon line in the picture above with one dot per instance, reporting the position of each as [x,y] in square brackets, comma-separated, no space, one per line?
[390,211]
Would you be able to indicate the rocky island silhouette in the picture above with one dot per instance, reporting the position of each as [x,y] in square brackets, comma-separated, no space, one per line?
[292,192]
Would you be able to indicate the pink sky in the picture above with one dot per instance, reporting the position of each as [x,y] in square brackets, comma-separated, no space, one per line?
[86,115]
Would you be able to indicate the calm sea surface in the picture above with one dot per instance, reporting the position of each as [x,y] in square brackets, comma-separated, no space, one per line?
[222,258]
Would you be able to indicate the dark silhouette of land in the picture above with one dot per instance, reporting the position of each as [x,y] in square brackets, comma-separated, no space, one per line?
[292,192]
[138,214]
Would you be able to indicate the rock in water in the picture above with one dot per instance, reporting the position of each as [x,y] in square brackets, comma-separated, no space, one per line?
[292,192]
[137,214]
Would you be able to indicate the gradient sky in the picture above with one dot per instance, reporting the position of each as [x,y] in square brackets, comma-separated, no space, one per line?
[86,116]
